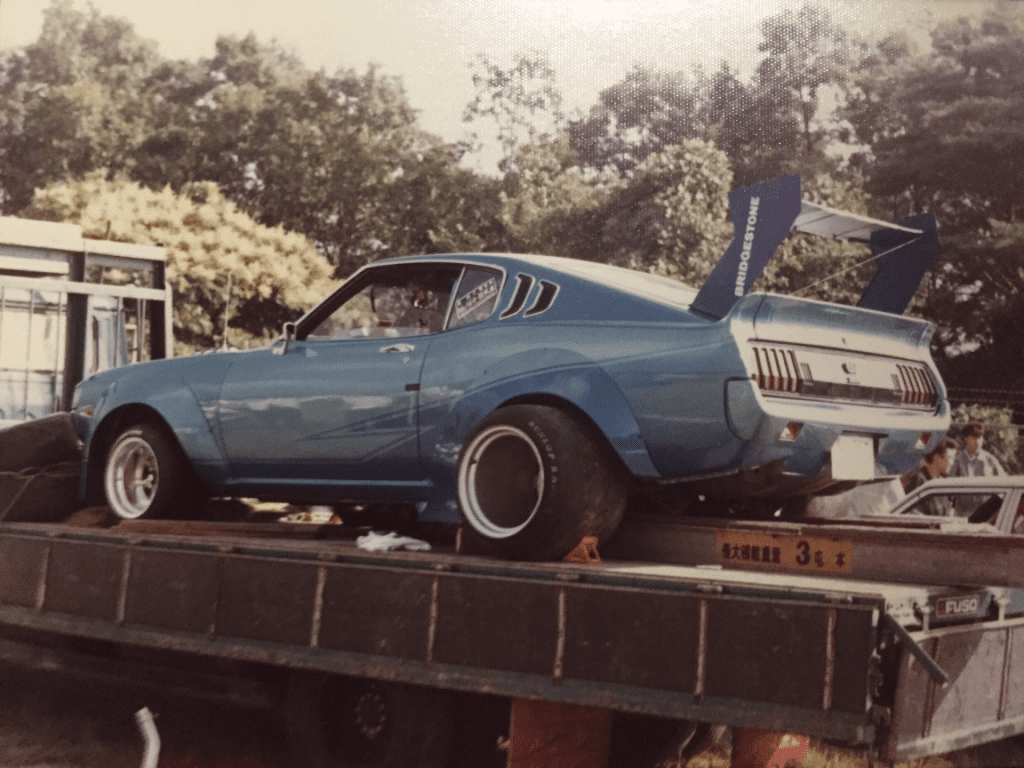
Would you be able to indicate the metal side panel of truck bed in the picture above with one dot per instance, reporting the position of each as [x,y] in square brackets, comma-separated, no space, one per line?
[831,658]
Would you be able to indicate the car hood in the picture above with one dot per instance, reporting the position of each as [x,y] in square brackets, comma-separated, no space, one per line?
[204,368]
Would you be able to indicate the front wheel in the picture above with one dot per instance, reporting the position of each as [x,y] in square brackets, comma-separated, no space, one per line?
[533,480]
[144,474]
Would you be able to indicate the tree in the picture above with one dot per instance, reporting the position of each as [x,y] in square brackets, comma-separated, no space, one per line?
[550,204]
[522,100]
[672,218]
[437,206]
[805,53]
[337,157]
[317,154]
[944,127]
[219,260]
[647,112]
[945,136]
[73,101]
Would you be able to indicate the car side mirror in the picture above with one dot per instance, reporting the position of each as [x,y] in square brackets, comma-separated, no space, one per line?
[288,334]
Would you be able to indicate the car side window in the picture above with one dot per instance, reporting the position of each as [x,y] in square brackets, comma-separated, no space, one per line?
[400,301]
[980,509]
[1018,521]
[476,297]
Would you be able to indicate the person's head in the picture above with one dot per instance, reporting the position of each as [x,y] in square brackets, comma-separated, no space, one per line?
[974,437]
[939,458]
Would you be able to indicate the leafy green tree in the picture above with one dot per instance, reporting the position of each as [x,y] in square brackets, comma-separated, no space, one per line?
[437,206]
[944,126]
[646,112]
[318,154]
[943,131]
[550,205]
[672,218]
[805,54]
[732,114]
[522,100]
[72,102]
[219,260]
[337,157]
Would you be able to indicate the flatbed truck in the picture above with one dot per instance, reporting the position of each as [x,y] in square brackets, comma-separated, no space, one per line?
[900,667]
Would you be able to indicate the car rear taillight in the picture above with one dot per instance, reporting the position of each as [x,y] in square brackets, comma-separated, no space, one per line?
[837,375]
[777,369]
[914,385]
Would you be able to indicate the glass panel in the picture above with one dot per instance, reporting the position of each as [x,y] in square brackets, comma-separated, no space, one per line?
[393,303]
[477,296]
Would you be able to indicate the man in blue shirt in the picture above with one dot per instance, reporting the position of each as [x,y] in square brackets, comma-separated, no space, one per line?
[974,461]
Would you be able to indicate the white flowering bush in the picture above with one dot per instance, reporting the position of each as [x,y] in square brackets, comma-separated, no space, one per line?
[218,257]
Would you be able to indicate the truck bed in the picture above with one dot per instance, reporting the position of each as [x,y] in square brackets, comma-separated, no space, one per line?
[847,659]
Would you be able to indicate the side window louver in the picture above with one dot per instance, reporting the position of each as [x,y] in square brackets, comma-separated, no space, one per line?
[545,298]
[525,283]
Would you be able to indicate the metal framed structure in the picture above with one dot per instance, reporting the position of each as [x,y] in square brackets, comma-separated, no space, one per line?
[70,305]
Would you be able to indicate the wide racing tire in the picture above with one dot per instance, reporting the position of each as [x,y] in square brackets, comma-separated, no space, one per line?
[533,480]
[145,475]
[348,722]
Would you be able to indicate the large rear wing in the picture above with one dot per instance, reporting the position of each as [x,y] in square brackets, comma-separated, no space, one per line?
[763,214]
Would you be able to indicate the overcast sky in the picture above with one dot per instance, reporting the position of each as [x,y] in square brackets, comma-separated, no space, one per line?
[429,43]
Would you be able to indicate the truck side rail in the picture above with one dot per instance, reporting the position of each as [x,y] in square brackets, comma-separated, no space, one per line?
[674,644]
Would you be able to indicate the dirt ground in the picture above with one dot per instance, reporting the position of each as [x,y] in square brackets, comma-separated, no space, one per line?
[52,720]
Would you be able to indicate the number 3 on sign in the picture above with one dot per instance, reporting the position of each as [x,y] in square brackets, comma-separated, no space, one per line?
[774,551]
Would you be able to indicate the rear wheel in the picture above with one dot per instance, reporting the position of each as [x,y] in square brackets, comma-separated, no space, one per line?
[145,475]
[534,480]
[344,722]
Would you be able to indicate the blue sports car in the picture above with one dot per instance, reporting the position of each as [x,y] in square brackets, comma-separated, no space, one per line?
[530,397]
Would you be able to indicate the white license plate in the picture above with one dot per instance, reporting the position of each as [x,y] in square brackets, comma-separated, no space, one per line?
[853,458]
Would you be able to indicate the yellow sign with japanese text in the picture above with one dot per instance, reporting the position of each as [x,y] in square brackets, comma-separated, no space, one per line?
[807,554]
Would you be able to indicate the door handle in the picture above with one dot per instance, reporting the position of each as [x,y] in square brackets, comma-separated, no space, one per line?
[402,349]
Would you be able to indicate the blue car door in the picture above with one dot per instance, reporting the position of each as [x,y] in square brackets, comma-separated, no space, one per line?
[336,406]
[330,410]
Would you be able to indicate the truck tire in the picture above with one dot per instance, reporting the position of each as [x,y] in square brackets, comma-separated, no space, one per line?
[347,722]
[533,480]
[145,475]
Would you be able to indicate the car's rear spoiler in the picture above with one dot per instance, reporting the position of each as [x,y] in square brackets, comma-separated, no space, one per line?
[763,214]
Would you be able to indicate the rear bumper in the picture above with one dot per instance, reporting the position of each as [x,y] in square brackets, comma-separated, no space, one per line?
[760,421]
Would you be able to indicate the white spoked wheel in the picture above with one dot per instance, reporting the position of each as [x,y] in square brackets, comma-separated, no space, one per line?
[501,481]
[132,477]
[146,475]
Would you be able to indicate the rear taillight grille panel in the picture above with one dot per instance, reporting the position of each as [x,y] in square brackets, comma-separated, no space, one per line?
[814,373]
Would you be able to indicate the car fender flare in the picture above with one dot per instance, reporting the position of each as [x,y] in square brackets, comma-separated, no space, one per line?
[550,376]
[174,405]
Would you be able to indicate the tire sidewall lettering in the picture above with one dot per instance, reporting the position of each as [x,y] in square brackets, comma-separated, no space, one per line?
[547,449]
